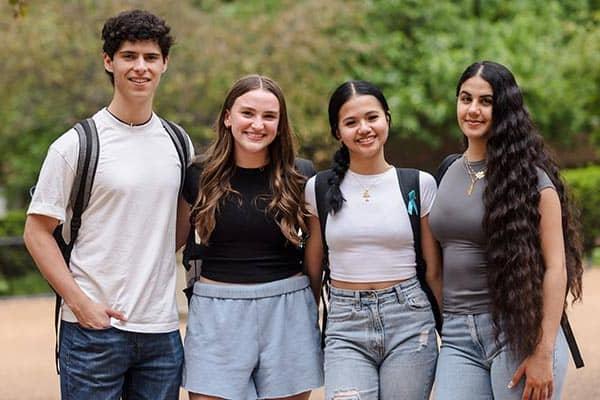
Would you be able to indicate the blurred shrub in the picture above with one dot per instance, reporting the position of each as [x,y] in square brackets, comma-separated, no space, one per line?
[15,261]
[584,184]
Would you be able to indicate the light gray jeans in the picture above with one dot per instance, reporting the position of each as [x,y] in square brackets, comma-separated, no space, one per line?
[380,344]
[473,365]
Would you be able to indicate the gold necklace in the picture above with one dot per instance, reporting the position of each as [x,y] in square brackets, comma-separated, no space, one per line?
[366,189]
[473,176]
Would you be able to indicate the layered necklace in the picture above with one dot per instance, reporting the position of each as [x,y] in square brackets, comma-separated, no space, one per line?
[366,187]
[473,176]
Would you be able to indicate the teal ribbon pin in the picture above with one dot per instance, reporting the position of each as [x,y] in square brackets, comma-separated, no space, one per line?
[412,203]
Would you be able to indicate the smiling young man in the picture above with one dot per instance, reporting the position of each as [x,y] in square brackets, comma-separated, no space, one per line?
[119,334]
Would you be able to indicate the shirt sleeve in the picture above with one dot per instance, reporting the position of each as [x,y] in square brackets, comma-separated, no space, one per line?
[190,186]
[544,181]
[310,197]
[53,188]
[428,189]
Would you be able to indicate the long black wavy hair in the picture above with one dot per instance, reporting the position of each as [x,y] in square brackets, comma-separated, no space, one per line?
[511,221]
[341,158]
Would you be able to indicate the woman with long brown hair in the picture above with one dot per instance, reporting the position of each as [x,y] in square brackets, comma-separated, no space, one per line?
[252,326]
[511,251]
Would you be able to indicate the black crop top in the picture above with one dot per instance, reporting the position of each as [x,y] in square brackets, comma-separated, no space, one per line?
[247,245]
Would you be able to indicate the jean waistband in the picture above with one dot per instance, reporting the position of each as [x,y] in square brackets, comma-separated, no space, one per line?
[370,295]
[252,291]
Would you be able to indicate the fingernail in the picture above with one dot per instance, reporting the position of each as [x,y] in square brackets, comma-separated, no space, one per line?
[510,385]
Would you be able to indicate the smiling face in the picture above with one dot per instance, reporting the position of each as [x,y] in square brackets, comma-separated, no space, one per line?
[474,108]
[137,68]
[363,127]
[253,120]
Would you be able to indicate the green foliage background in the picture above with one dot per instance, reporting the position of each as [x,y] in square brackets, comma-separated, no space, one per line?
[51,72]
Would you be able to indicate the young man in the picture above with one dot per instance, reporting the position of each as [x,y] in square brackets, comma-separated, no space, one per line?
[119,332]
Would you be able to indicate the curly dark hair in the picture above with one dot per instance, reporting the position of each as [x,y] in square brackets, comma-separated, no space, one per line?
[341,158]
[133,26]
[511,221]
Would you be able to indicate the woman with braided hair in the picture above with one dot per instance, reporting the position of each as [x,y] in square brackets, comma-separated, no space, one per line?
[380,340]
[511,251]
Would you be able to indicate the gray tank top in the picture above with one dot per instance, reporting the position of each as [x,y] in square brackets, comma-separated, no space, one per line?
[456,222]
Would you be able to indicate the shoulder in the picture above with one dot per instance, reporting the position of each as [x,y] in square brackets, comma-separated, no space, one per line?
[427,180]
[322,178]
[444,165]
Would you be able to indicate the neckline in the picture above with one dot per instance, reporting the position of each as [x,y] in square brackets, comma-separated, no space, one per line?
[371,176]
[127,124]
[253,171]
[477,163]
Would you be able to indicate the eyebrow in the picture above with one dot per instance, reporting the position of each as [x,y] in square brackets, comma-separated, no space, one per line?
[368,113]
[152,53]
[483,95]
[245,107]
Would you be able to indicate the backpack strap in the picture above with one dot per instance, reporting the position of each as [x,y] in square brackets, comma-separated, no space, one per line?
[570,337]
[87,161]
[322,185]
[305,167]
[443,167]
[180,140]
[408,179]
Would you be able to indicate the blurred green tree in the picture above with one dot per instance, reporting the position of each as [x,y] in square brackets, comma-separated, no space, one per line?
[51,74]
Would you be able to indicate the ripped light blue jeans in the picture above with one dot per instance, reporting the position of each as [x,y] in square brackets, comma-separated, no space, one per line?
[474,365]
[380,344]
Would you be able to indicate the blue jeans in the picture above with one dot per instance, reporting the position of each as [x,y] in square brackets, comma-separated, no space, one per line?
[111,363]
[473,365]
[380,344]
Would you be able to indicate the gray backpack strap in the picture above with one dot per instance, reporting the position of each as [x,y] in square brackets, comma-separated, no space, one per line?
[87,161]
[180,140]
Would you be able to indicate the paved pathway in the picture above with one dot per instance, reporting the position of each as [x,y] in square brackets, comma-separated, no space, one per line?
[27,347]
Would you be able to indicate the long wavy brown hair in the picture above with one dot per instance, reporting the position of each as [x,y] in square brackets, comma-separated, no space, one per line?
[286,200]
[516,267]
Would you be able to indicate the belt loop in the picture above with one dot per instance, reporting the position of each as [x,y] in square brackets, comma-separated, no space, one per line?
[399,294]
[357,303]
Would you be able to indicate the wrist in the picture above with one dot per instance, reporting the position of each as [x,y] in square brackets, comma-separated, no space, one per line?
[76,301]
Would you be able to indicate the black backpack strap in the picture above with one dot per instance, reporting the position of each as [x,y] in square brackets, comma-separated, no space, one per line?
[443,167]
[87,162]
[322,184]
[180,140]
[570,337]
[305,167]
[408,179]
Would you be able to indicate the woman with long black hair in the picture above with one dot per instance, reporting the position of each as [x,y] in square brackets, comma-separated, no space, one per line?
[380,341]
[511,251]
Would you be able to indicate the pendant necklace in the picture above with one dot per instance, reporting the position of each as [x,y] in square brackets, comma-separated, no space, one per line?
[473,176]
[366,189]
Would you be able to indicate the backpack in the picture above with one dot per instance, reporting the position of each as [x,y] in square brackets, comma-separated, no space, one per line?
[408,180]
[192,253]
[564,321]
[87,161]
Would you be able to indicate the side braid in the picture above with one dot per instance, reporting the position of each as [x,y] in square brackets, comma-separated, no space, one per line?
[341,163]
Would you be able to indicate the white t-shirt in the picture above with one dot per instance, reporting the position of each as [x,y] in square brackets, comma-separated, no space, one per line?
[124,255]
[372,241]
